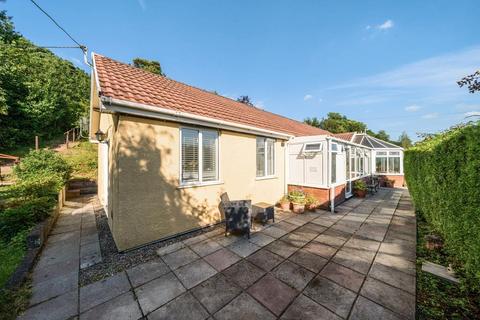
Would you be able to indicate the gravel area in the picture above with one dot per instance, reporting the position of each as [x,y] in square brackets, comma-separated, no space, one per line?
[115,261]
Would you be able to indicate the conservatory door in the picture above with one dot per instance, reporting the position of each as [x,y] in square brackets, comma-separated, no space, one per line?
[348,187]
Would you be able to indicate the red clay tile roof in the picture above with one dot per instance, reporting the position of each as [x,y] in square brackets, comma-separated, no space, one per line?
[124,82]
[347,136]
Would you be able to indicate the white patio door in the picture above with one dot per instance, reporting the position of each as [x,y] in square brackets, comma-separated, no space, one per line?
[348,169]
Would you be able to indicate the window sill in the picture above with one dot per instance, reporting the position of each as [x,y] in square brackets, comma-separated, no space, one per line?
[266,178]
[388,174]
[199,184]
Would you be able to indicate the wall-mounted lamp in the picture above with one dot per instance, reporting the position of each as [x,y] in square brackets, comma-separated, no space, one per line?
[100,135]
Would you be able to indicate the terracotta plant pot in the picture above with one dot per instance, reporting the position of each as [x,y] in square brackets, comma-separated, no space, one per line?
[311,207]
[389,184]
[298,208]
[285,206]
[361,193]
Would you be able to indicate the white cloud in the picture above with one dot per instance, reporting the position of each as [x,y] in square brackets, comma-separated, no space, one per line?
[320,100]
[412,108]
[432,115]
[430,81]
[472,114]
[307,97]
[368,27]
[386,25]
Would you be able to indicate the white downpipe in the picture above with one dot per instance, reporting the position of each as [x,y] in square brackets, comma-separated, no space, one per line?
[331,186]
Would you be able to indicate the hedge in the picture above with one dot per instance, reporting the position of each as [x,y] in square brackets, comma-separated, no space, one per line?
[443,176]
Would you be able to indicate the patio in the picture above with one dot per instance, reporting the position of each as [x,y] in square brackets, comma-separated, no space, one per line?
[356,264]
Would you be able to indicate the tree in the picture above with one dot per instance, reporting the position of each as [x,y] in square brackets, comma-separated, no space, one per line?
[382,135]
[472,82]
[246,100]
[314,122]
[40,93]
[337,123]
[148,65]
[404,140]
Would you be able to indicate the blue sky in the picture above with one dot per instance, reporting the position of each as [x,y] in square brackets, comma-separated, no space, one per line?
[390,64]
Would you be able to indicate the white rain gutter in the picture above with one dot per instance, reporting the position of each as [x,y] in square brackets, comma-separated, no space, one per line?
[144,110]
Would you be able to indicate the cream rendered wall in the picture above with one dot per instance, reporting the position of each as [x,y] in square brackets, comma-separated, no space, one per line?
[149,202]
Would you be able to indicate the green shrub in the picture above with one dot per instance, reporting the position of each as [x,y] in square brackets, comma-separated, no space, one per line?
[45,185]
[360,185]
[18,218]
[297,196]
[11,253]
[42,163]
[443,176]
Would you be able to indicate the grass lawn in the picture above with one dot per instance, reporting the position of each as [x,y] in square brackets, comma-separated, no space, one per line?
[436,298]
[83,159]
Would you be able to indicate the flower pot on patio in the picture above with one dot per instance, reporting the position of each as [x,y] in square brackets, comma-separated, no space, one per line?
[298,207]
[360,188]
[360,193]
[389,183]
[284,203]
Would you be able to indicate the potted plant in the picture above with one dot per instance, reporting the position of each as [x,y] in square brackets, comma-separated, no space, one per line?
[284,203]
[311,204]
[297,198]
[360,188]
[389,183]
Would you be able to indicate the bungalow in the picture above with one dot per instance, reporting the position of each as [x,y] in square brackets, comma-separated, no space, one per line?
[167,151]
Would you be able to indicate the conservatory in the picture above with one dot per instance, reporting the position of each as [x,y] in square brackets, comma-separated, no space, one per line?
[326,166]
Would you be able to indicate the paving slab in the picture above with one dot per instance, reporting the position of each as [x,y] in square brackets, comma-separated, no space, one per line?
[180,258]
[320,249]
[305,308]
[103,290]
[156,293]
[145,272]
[265,259]
[61,307]
[184,307]
[274,232]
[333,238]
[273,294]
[389,297]
[90,254]
[343,276]
[396,262]
[222,259]
[244,307]
[244,273]
[289,227]
[292,274]
[308,260]
[121,307]
[282,248]
[170,248]
[194,273]
[331,295]
[216,292]
[393,277]
[206,247]
[365,309]
[357,259]
[243,248]
[261,239]
[54,287]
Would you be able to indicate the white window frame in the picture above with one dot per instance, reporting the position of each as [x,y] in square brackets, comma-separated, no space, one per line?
[266,175]
[388,154]
[200,181]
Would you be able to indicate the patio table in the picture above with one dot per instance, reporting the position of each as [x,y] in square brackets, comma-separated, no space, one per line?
[263,212]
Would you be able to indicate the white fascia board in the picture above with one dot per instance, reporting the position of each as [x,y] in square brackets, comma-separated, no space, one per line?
[349,143]
[143,110]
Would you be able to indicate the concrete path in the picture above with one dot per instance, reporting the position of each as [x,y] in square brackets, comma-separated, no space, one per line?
[73,244]
[356,264]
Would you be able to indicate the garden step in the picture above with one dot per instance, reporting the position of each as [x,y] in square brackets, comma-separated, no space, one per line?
[72,193]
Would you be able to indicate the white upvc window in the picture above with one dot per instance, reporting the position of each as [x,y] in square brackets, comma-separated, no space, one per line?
[265,151]
[388,162]
[199,156]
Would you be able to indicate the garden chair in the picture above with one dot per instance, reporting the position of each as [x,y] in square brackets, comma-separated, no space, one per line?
[238,214]
[373,184]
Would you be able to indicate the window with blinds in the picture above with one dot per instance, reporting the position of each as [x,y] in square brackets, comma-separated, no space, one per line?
[199,156]
[265,157]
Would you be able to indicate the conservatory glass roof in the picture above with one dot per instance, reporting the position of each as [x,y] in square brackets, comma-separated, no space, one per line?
[372,142]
